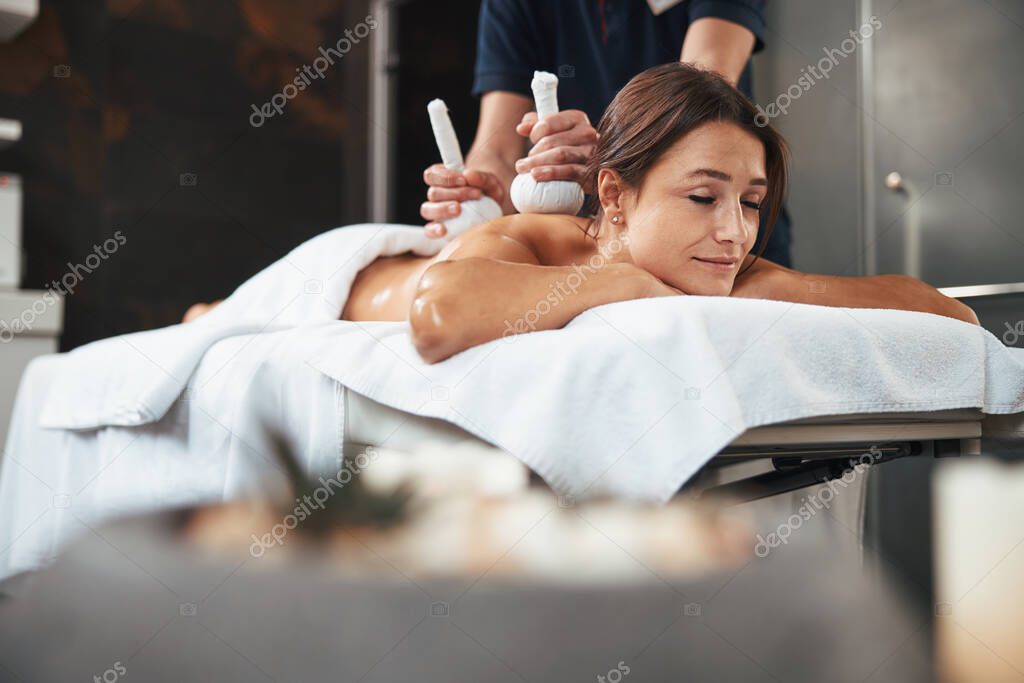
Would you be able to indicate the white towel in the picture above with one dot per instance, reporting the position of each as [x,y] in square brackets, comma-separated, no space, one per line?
[133,379]
[629,399]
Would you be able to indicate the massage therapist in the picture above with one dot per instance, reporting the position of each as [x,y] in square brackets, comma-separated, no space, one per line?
[595,47]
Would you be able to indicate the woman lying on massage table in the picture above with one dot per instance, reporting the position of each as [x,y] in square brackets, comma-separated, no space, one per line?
[682,170]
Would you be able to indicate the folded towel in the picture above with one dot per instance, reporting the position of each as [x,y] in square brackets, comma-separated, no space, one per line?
[133,379]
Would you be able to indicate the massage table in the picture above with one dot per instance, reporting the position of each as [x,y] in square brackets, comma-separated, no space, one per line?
[801,453]
[764,463]
[186,414]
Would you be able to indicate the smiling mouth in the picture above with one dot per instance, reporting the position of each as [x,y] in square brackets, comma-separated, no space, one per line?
[723,265]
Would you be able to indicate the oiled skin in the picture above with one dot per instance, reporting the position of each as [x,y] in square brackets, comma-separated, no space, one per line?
[493,274]
[467,294]
[385,289]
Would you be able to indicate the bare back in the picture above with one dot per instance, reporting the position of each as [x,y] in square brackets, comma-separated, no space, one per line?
[384,290]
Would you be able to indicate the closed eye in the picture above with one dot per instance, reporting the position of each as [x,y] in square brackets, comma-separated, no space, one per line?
[700,199]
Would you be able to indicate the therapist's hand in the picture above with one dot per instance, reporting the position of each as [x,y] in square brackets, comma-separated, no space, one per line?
[446,189]
[562,145]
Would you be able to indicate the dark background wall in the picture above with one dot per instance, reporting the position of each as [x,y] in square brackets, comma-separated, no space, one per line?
[119,98]
[436,41]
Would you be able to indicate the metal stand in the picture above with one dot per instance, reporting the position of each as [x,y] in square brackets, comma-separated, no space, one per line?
[797,468]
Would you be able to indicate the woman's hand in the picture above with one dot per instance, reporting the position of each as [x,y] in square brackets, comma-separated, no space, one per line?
[756,283]
[914,294]
[562,144]
[766,280]
[446,190]
[653,287]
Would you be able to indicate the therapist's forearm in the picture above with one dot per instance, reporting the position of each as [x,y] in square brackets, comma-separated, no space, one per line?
[497,146]
[483,159]
[718,45]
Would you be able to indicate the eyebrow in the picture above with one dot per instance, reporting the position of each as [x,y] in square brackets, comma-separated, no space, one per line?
[719,175]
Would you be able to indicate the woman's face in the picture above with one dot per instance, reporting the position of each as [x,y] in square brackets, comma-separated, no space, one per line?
[698,204]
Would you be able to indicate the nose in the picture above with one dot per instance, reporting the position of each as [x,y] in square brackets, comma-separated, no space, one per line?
[730,223]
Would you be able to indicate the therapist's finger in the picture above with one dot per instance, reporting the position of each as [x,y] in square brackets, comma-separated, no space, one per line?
[559,123]
[488,183]
[435,230]
[439,211]
[439,176]
[576,137]
[573,172]
[525,126]
[554,157]
[448,194]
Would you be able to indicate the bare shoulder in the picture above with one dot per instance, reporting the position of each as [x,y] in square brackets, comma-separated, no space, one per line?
[524,238]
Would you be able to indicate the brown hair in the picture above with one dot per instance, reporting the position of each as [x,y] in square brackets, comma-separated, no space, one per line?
[661,105]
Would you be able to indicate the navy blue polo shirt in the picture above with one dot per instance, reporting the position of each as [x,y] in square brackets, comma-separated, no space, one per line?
[596,47]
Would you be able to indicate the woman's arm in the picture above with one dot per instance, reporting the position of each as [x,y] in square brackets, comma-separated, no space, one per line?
[767,280]
[493,285]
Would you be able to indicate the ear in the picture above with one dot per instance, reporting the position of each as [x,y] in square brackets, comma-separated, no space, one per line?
[611,192]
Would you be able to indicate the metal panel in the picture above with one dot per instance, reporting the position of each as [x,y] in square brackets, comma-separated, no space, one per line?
[380,121]
[822,128]
[948,121]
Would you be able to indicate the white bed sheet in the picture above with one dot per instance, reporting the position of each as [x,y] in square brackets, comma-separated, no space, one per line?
[213,444]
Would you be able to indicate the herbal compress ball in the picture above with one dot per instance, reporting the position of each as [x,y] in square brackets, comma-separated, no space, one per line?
[476,211]
[552,196]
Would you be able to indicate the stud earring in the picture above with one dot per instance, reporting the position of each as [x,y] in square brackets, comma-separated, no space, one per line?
[616,219]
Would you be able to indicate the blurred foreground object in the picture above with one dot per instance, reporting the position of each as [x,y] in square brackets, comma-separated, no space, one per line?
[449,512]
[979,532]
[445,566]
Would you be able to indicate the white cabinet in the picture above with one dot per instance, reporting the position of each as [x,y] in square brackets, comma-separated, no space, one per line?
[16,15]
[30,325]
[10,230]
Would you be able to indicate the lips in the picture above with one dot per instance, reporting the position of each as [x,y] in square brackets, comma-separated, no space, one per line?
[722,260]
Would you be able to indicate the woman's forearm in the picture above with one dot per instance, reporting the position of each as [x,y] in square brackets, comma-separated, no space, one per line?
[766,280]
[462,303]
